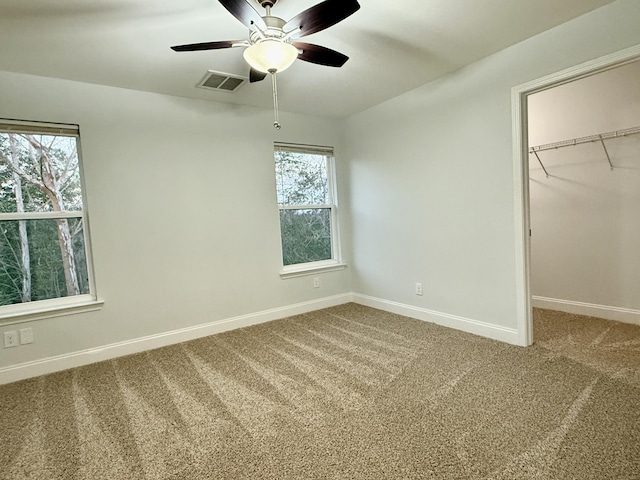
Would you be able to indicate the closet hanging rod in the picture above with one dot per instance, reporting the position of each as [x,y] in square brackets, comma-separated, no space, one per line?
[592,138]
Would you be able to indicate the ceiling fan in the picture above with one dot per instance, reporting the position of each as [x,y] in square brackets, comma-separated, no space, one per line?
[271,43]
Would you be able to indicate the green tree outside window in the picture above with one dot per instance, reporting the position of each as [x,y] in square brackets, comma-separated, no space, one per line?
[42,241]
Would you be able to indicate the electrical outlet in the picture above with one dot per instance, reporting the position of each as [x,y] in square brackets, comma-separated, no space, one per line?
[418,289]
[10,339]
[316,282]
[26,335]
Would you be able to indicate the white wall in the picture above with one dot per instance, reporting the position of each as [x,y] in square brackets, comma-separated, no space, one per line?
[182,205]
[585,218]
[431,175]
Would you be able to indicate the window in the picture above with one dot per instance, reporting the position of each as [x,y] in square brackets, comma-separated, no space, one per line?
[44,259]
[305,185]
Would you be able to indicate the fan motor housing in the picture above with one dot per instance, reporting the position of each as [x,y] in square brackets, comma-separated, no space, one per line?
[274,30]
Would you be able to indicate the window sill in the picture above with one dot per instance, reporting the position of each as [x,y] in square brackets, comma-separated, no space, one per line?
[39,312]
[303,271]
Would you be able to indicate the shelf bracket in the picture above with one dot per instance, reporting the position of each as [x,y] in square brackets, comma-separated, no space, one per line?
[546,174]
[606,152]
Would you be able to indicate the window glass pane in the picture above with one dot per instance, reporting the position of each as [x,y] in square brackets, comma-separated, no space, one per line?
[39,173]
[306,235]
[42,259]
[301,179]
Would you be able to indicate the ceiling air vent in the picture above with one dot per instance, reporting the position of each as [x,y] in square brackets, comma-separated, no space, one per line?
[221,82]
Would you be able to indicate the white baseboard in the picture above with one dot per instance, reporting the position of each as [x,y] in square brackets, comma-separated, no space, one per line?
[618,314]
[58,363]
[496,332]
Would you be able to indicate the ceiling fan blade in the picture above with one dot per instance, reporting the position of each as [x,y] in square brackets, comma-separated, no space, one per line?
[321,16]
[320,55]
[192,47]
[256,75]
[244,12]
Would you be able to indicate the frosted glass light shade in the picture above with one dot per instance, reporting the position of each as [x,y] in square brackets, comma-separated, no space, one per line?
[271,55]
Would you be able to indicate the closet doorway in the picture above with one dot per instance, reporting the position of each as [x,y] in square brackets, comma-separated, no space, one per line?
[584,195]
[577,190]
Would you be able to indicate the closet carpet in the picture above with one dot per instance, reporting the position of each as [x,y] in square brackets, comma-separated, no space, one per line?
[347,392]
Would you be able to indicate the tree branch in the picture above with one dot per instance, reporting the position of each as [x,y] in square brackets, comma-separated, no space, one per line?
[4,264]
[43,155]
[62,178]
[12,163]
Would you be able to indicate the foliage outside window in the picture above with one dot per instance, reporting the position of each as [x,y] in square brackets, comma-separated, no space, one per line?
[305,188]
[43,247]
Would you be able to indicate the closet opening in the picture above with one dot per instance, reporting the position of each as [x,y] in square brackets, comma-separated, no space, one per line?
[577,191]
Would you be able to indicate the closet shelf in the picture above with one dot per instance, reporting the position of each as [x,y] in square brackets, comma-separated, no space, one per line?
[577,141]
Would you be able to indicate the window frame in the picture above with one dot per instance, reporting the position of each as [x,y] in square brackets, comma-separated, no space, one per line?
[53,307]
[335,262]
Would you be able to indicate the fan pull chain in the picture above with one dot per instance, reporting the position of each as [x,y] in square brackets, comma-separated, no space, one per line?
[274,83]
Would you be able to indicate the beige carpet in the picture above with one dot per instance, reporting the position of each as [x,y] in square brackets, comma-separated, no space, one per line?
[346,392]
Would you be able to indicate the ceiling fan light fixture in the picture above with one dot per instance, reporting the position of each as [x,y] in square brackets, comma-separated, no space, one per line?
[271,55]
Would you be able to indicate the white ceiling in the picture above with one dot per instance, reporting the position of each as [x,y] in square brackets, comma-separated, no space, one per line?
[394,46]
